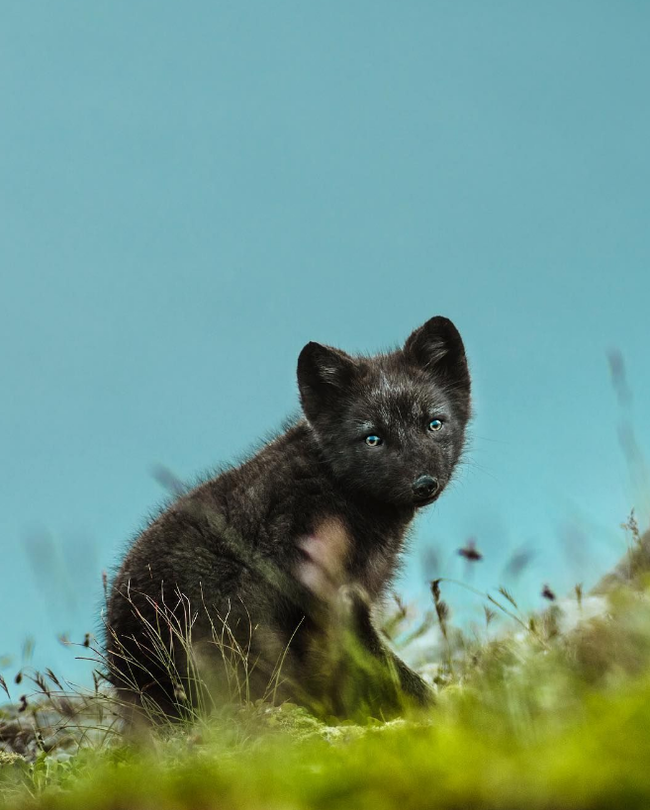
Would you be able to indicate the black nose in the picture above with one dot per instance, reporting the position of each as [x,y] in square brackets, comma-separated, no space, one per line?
[424,487]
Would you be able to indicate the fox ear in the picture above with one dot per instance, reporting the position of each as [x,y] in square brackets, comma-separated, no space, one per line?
[438,347]
[323,373]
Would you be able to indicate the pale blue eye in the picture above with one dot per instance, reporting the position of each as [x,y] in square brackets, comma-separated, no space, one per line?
[373,441]
[435,424]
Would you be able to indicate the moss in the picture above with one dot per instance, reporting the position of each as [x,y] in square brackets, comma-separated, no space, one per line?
[537,717]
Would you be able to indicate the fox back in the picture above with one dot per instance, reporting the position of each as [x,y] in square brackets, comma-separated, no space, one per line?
[256,576]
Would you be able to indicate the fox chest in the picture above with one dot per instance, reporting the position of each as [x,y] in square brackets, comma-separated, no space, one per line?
[331,556]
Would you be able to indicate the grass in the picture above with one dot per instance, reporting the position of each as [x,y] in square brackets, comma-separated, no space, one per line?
[550,710]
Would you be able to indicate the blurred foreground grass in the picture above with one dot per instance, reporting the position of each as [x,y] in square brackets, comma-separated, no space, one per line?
[550,711]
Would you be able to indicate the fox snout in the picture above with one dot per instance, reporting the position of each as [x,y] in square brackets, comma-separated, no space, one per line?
[424,488]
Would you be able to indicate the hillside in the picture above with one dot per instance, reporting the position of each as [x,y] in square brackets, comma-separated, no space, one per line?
[540,711]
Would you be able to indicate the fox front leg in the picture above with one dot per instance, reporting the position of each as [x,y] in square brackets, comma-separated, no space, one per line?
[397,686]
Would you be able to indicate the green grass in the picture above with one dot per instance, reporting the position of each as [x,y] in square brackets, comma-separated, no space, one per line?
[532,715]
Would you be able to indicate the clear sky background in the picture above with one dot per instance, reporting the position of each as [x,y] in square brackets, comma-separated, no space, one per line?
[191,192]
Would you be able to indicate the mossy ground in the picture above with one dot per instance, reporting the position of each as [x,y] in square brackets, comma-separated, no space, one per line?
[546,714]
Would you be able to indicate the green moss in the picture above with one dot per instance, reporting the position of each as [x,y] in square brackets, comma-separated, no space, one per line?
[543,718]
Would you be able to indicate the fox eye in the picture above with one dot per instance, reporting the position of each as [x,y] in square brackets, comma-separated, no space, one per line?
[435,424]
[373,441]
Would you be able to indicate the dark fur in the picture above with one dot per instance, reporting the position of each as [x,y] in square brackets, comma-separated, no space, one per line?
[301,540]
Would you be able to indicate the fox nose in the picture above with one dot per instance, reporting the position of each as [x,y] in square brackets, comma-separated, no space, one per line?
[424,487]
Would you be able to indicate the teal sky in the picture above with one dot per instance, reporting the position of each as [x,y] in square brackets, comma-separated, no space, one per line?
[192,192]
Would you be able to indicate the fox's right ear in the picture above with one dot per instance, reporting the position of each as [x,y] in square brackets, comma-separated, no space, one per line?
[323,373]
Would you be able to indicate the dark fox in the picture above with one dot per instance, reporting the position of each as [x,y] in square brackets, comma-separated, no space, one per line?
[263,581]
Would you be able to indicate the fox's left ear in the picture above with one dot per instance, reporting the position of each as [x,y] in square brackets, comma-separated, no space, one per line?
[438,347]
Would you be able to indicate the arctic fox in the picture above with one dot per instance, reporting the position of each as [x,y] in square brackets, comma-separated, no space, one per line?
[262,582]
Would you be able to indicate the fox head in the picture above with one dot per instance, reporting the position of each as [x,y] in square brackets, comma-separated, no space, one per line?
[391,426]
